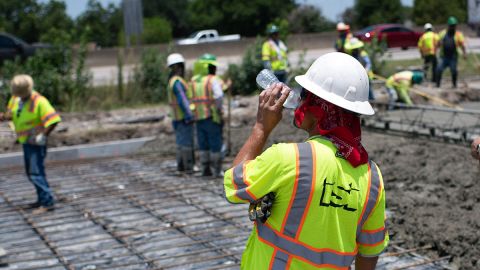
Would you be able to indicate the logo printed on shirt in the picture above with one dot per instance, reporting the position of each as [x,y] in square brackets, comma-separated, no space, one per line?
[338,196]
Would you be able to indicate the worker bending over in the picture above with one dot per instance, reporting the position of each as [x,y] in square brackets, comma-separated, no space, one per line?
[355,48]
[398,86]
[427,45]
[207,98]
[328,198]
[178,94]
[34,119]
[274,54]
[451,45]
[344,36]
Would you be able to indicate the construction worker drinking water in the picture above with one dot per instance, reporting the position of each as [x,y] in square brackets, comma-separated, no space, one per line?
[325,195]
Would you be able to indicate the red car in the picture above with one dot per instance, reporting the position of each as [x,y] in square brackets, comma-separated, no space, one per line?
[396,35]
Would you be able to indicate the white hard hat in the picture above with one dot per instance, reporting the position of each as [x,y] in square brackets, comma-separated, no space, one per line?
[175,58]
[428,26]
[342,26]
[339,79]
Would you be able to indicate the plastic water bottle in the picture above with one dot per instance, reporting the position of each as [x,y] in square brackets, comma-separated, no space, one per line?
[266,78]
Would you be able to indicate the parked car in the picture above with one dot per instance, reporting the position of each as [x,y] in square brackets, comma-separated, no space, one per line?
[395,35]
[204,36]
[12,47]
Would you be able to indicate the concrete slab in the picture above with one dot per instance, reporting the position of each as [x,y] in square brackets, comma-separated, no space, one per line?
[84,151]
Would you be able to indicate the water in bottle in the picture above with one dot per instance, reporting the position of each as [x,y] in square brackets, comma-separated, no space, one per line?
[266,78]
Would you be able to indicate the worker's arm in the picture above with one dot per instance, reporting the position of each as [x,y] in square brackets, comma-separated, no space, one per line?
[180,93]
[269,114]
[475,148]
[365,263]
[49,129]
[218,93]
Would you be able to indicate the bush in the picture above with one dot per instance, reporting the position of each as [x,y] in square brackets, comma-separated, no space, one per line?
[151,76]
[156,30]
[243,75]
[376,50]
[308,19]
[58,72]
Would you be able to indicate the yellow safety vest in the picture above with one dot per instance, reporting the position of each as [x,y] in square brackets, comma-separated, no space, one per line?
[34,117]
[276,54]
[176,111]
[401,80]
[427,44]
[324,211]
[340,43]
[202,98]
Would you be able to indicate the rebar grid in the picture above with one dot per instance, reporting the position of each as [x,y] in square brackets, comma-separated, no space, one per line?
[126,213]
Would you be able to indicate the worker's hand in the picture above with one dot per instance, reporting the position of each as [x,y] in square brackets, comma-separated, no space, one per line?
[475,150]
[270,106]
[41,139]
[228,84]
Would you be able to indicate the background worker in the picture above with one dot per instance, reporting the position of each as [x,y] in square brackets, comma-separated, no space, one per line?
[398,86]
[34,119]
[475,148]
[329,202]
[207,97]
[355,48]
[344,36]
[274,54]
[427,45]
[451,41]
[178,94]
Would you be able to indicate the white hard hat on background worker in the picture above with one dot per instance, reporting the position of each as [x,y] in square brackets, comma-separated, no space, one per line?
[341,26]
[428,26]
[328,79]
[175,58]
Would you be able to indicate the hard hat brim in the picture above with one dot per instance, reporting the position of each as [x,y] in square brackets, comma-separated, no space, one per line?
[360,107]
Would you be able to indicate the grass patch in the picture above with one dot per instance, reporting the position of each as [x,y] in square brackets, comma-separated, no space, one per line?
[466,68]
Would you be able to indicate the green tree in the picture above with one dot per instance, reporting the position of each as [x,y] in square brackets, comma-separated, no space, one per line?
[101,25]
[53,16]
[156,30]
[368,12]
[20,18]
[248,18]
[174,11]
[438,11]
[307,19]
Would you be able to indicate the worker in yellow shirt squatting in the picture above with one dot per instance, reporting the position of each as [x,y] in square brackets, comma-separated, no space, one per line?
[398,86]
[274,54]
[325,196]
[207,98]
[427,45]
[34,118]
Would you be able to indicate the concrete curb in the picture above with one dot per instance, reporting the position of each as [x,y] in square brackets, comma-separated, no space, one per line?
[84,151]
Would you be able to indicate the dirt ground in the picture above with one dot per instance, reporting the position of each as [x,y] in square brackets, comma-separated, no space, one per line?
[432,188]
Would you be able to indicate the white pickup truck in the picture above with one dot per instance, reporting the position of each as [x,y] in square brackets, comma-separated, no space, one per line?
[204,36]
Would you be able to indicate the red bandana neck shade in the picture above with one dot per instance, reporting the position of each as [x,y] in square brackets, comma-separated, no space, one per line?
[341,127]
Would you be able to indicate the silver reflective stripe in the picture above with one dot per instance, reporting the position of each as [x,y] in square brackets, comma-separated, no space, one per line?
[296,249]
[241,186]
[281,260]
[372,197]
[302,192]
[371,238]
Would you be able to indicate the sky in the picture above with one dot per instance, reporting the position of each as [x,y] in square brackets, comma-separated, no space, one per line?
[330,9]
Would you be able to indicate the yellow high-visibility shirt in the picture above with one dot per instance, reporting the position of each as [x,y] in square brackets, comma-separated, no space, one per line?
[31,117]
[324,211]
[276,54]
[428,42]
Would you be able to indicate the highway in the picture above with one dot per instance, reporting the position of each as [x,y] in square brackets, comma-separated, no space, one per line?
[107,75]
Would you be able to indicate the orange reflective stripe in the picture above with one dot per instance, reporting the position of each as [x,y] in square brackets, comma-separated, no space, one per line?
[33,102]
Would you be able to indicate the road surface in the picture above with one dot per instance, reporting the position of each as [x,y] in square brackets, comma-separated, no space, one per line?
[107,75]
